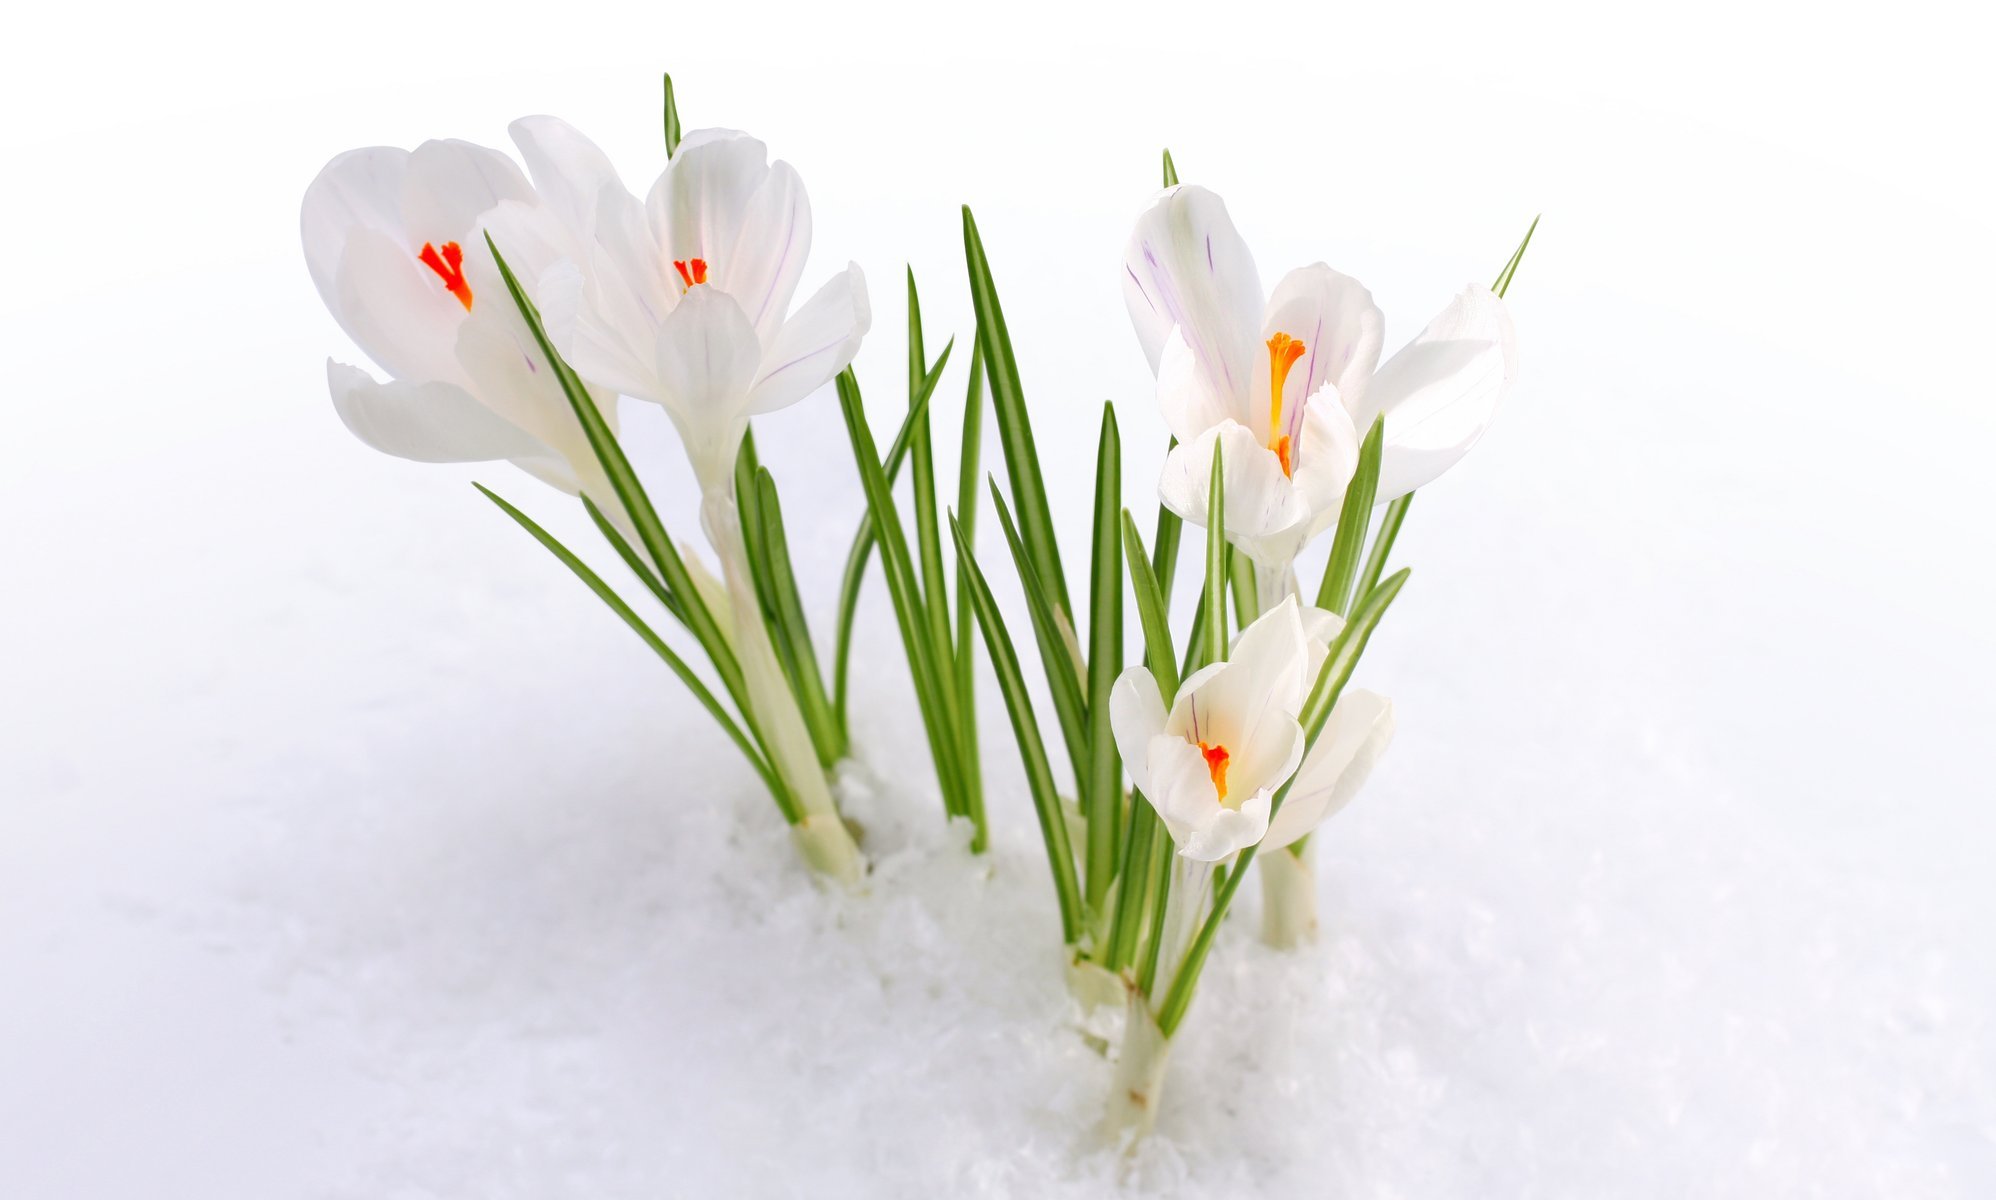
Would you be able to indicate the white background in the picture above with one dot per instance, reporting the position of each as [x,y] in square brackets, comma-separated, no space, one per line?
[347,848]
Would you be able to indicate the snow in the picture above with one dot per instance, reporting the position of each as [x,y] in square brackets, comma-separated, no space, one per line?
[349,848]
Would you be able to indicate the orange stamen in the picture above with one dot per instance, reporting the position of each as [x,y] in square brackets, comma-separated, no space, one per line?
[449,267]
[691,271]
[1216,766]
[1283,353]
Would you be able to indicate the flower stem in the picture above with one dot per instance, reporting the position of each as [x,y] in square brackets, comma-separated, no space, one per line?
[1288,898]
[822,837]
[1138,1083]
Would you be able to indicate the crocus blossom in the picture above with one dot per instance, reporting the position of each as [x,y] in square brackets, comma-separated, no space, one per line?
[395,242]
[686,299]
[1211,764]
[1287,383]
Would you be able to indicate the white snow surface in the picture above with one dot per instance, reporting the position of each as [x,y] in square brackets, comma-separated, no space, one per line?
[349,849]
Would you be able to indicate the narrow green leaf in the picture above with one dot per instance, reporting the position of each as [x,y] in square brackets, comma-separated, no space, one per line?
[862,550]
[1159,654]
[1345,651]
[1382,544]
[1102,795]
[678,665]
[635,562]
[1341,569]
[1246,588]
[928,533]
[793,630]
[1164,554]
[897,565]
[631,494]
[1160,895]
[1015,430]
[747,499]
[1170,171]
[1062,681]
[1133,884]
[671,120]
[1214,648]
[1503,283]
[1026,730]
[964,645]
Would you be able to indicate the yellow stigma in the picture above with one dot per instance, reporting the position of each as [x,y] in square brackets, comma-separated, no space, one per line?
[1283,353]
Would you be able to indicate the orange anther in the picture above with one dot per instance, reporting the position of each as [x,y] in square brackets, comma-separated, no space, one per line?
[691,271]
[1283,353]
[1216,766]
[449,267]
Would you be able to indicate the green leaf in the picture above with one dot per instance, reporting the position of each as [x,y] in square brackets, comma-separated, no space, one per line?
[1503,283]
[1062,681]
[965,647]
[898,566]
[1214,646]
[1134,879]
[1334,593]
[658,646]
[1015,430]
[635,562]
[1246,589]
[1158,652]
[928,537]
[671,120]
[862,549]
[1382,543]
[1345,651]
[1170,169]
[1102,794]
[631,494]
[792,630]
[1164,554]
[1026,731]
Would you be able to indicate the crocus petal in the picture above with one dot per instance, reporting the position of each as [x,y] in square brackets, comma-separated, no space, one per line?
[1229,831]
[361,189]
[450,184]
[396,310]
[1353,739]
[1340,327]
[697,205]
[1260,685]
[1181,786]
[763,266]
[1440,392]
[1185,397]
[1326,457]
[1264,506]
[1136,715]
[425,422]
[706,358]
[1186,266]
[815,344]
[606,324]
[569,171]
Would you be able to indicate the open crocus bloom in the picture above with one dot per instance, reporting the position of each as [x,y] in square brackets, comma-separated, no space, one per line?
[1354,737]
[1287,385]
[686,300]
[395,241]
[1211,765]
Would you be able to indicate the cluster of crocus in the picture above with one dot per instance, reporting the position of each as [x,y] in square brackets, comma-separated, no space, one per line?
[512,310]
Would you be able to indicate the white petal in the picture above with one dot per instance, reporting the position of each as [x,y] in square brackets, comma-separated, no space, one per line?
[1136,715]
[450,184]
[1440,392]
[1259,689]
[396,309]
[1186,266]
[424,422]
[1181,788]
[697,205]
[761,270]
[361,189]
[1229,831]
[1265,509]
[816,343]
[1320,627]
[1188,402]
[1353,739]
[706,357]
[1325,457]
[569,171]
[1340,327]
[607,328]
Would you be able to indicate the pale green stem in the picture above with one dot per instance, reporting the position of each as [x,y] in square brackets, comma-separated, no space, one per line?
[821,836]
[1145,1052]
[1288,885]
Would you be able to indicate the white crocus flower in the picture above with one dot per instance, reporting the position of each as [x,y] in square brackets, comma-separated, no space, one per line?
[395,242]
[1212,764]
[1287,383]
[687,300]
